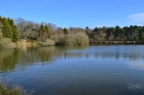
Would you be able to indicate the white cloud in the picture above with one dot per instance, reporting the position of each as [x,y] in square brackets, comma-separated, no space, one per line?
[136,17]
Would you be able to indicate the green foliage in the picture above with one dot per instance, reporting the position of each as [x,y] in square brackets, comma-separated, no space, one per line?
[12,55]
[1,25]
[131,33]
[8,29]
[5,42]
[42,28]
[65,31]
[65,36]
[44,33]
[141,35]
[15,36]
[47,30]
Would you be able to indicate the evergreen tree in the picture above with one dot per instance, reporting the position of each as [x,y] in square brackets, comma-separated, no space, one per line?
[117,32]
[15,34]
[1,35]
[41,32]
[65,31]
[42,29]
[47,31]
[7,29]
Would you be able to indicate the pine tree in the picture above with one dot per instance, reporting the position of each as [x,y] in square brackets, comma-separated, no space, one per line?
[47,31]
[1,35]
[41,31]
[7,29]
[15,34]
[65,31]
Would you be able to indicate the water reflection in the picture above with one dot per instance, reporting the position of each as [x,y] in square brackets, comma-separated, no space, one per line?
[92,70]
[9,58]
[138,65]
[136,86]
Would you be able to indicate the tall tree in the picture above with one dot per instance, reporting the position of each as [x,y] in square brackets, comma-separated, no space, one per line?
[15,34]
[48,32]
[65,31]
[42,32]
[117,32]
[7,29]
[1,35]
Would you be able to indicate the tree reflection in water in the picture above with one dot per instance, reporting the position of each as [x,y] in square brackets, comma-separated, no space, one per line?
[9,58]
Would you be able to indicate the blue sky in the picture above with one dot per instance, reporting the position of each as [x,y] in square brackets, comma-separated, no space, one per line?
[76,13]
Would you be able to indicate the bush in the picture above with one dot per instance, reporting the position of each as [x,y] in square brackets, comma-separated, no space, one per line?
[79,38]
[59,39]
[7,89]
[6,43]
[48,42]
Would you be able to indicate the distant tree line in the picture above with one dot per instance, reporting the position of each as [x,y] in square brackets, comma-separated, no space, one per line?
[47,32]
[43,31]
[131,33]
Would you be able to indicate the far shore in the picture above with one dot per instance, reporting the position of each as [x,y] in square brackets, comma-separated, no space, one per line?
[37,43]
[116,42]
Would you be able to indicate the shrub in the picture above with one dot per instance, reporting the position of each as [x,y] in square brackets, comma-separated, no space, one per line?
[79,38]
[6,43]
[7,89]
[48,42]
[59,39]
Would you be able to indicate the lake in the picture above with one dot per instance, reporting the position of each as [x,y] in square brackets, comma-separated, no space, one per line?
[89,70]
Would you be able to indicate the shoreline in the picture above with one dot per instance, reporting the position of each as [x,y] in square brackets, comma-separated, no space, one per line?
[36,44]
[115,42]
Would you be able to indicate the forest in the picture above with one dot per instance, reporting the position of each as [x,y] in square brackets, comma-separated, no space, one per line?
[15,30]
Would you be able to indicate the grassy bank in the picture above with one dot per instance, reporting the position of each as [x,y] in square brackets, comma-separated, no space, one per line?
[27,43]
[69,40]
[7,43]
[6,88]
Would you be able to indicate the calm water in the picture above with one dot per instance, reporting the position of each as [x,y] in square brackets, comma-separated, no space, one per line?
[91,70]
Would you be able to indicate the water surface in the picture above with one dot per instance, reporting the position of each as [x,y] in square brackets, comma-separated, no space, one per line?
[90,70]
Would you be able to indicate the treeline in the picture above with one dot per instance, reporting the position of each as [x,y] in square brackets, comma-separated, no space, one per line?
[20,30]
[131,33]
[34,31]
[50,34]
